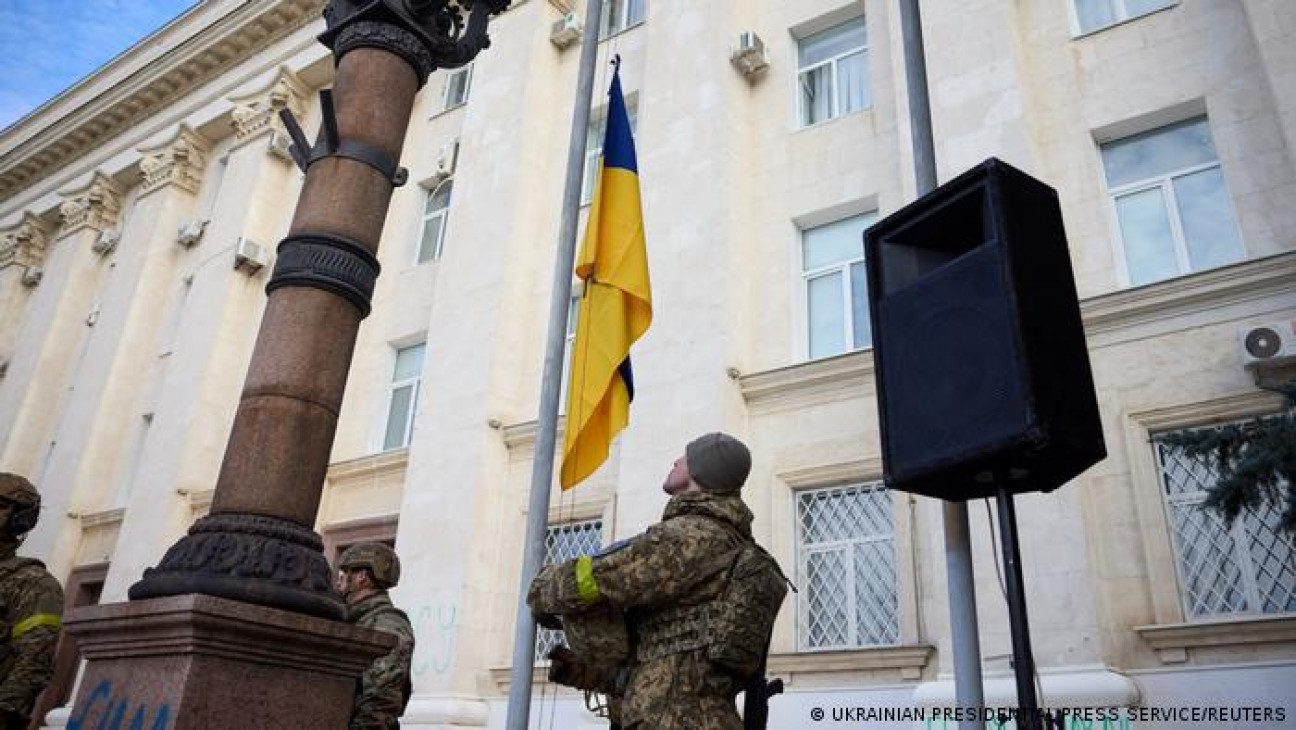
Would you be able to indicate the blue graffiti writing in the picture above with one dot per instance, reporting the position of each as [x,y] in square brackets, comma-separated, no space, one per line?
[114,712]
[434,638]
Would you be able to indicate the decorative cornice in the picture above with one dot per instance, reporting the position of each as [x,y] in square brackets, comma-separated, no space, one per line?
[104,517]
[94,206]
[193,61]
[1171,641]
[909,660]
[24,243]
[180,161]
[368,467]
[810,383]
[258,112]
[829,474]
[1105,316]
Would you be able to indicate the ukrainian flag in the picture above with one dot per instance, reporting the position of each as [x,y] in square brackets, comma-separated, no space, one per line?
[616,307]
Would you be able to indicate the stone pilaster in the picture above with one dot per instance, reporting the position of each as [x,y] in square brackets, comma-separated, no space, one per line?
[179,162]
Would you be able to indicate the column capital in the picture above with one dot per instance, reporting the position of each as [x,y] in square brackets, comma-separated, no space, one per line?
[180,161]
[23,244]
[96,205]
[257,113]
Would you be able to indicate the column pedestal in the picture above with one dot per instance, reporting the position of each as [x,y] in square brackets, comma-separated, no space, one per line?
[193,661]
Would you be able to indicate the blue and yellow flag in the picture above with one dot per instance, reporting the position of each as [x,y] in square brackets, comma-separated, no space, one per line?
[615,309]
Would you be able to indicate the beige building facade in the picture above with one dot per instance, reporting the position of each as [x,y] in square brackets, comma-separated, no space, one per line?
[140,209]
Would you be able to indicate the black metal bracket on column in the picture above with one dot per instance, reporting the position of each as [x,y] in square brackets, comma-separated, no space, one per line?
[429,34]
[329,145]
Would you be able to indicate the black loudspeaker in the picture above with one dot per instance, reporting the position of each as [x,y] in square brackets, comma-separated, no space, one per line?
[982,371]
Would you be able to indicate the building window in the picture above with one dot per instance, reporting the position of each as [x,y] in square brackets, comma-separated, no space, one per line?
[619,15]
[565,542]
[1249,568]
[847,566]
[594,148]
[1172,206]
[1094,14]
[436,211]
[403,400]
[836,288]
[457,84]
[832,72]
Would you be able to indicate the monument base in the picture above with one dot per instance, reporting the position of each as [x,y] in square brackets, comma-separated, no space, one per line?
[195,661]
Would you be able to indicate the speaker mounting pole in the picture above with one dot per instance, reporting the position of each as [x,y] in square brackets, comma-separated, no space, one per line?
[1023,660]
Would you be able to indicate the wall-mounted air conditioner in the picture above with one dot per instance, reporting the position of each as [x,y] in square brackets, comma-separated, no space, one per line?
[567,30]
[249,256]
[189,233]
[1268,345]
[105,242]
[749,55]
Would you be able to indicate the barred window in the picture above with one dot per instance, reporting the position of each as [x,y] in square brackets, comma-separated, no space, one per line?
[1249,568]
[847,566]
[564,542]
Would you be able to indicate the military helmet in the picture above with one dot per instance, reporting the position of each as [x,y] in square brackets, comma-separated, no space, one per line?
[377,557]
[26,501]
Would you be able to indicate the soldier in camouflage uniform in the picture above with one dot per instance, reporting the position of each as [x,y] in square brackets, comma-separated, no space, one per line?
[665,580]
[365,572]
[31,606]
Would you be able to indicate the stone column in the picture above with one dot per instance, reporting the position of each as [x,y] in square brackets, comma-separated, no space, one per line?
[54,328]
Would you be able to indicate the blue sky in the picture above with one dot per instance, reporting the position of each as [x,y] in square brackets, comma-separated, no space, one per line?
[50,45]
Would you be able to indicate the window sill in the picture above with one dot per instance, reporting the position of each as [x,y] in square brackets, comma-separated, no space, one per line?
[1126,21]
[623,31]
[909,659]
[502,679]
[447,109]
[825,122]
[810,383]
[1172,641]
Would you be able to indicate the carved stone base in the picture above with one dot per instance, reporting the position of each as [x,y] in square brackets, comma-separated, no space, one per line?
[197,662]
[249,558]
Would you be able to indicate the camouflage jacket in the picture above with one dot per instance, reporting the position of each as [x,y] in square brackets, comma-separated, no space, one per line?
[679,563]
[31,607]
[384,689]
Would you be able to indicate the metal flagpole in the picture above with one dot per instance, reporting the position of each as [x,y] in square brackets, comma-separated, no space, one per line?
[519,702]
[965,639]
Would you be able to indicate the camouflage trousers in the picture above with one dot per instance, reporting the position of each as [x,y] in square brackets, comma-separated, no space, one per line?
[681,692]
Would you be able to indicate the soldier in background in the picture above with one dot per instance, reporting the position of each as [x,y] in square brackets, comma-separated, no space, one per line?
[670,582]
[365,572]
[31,607]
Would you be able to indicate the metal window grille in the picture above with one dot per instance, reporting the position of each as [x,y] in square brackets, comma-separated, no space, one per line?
[1247,568]
[564,542]
[846,561]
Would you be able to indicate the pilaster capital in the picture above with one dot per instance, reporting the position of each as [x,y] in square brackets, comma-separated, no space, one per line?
[180,161]
[96,205]
[258,112]
[23,244]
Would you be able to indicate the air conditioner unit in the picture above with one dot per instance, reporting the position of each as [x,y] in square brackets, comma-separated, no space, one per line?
[189,233]
[749,55]
[446,159]
[567,30]
[1268,345]
[249,256]
[105,242]
[32,276]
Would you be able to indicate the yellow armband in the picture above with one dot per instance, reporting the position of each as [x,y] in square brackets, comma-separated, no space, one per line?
[586,586]
[35,621]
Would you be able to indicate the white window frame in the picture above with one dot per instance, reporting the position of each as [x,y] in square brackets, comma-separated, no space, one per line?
[464,72]
[843,267]
[803,551]
[609,26]
[394,385]
[1165,183]
[1122,16]
[834,112]
[1238,535]
[438,247]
